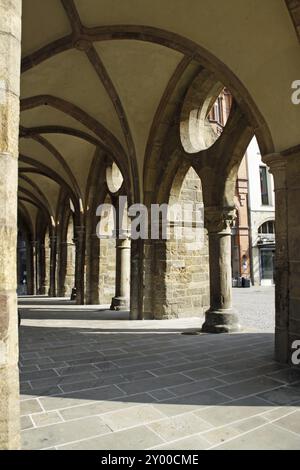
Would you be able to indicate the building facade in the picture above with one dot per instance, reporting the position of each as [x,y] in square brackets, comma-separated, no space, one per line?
[253,230]
[261,216]
[240,248]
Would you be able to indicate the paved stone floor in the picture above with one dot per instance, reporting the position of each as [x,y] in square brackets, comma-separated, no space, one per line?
[90,379]
[256,307]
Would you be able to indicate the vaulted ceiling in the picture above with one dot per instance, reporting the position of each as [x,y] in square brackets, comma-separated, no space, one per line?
[98,74]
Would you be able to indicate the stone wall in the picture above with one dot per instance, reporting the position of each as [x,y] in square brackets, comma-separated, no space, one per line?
[107,260]
[70,266]
[47,263]
[107,270]
[181,266]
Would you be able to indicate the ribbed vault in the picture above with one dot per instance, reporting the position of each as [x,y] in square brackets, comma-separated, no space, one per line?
[113,80]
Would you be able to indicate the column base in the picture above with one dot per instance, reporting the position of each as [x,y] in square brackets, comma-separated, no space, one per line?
[119,303]
[221,321]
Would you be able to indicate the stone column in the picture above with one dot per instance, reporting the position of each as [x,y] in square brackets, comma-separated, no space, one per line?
[93,260]
[35,262]
[53,244]
[70,269]
[46,284]
[292,224]
[277,165]
[37,267]
[122,295]
[42,279]
[80,264]
[29,268]
[58,266]
[61,269]
[10,54]
[221,317]
[136,279]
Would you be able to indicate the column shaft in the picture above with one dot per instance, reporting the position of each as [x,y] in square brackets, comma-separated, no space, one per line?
[80,264]
[42,280]
[52,289]
[93,271]
[70,269]
[29,268]
[221,317]
[220,270]
[35,263]
[277,165]
[46,285]
[122,293]
[10,55]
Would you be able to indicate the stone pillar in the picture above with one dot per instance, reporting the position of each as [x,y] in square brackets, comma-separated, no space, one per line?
[122,294]
[277,166]
[80,264]
[10,53]
[37,267]
[291,219]
[61,268]
[93,260]
[35,263]
[70,269]
[29,268]
[221,317]
[53,244]
[42,279]
[46,284]
[136,279]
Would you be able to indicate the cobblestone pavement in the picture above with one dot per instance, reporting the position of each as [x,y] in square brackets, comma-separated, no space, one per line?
[256,307]
[92,383]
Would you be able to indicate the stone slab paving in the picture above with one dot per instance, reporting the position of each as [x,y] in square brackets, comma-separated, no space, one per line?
[96,383]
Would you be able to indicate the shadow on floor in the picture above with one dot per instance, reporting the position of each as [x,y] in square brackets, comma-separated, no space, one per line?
[70,314]
[72,366]
[45,308]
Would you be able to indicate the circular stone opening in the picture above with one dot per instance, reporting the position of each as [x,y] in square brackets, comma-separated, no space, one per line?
[114,178]
[202,123]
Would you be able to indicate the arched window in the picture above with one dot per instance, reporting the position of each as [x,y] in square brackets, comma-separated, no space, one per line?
[267,228]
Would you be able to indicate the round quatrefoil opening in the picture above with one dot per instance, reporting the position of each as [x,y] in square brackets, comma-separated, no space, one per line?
[204,114]
[114,178]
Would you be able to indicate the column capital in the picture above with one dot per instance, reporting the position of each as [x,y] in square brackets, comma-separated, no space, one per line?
[277,164]
[275,161]
[121,234]
[219,219]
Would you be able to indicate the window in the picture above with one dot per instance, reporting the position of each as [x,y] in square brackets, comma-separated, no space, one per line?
[264,185]
[267,256]
[267,228]
[217,111]
[216,114]
[220,106]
